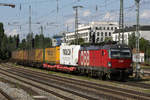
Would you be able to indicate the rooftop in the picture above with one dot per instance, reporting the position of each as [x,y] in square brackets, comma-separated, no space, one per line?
[133,28]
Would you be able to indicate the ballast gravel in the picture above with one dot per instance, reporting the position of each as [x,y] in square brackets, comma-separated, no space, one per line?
[15,93]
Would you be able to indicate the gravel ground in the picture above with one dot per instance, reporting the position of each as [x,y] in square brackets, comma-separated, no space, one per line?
[42,93]
[2,97]
[16,93]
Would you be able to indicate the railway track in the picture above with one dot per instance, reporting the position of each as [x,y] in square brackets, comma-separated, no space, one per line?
[11,75]
[93,87]
[129,83]
[37,86]
[5,95]
[30,91]
[58,87]
[46,83]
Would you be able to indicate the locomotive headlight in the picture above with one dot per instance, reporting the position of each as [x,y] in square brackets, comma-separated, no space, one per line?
[109,64]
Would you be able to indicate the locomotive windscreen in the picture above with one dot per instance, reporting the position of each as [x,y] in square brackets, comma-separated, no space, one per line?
[120,53]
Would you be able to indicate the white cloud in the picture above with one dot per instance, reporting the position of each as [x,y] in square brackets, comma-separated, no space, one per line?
[145,14]
[86,13]
[110,16]
[11,32]
[70,23]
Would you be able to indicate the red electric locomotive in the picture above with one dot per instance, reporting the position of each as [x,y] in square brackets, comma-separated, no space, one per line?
[112,61]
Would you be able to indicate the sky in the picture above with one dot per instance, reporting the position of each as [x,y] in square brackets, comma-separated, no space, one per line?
[55,17]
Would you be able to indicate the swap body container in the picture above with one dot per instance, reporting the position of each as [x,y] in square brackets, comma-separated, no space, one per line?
[14,55]
[52,55]
[38,55]
[69,54]
[25,55]
[20,55]
[31,55]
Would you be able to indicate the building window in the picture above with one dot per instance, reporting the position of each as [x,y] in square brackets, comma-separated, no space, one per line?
[115,28]
[87,34]
[104,28]
[109,33]
[100,28]
[112,28]
[97,33]
[101,39]
[97,39]
[107,28]
[102,34]
[105,33]
[96,28]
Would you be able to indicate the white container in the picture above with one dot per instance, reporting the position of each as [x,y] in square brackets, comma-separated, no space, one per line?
[69,54]
[135,57]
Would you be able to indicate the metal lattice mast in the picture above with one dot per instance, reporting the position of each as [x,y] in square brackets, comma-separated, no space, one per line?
[30,28]
[76,21]
[30,20]
[121,23]
[137,40]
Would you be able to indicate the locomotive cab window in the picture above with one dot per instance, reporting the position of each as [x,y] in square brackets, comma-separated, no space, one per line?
[120,53]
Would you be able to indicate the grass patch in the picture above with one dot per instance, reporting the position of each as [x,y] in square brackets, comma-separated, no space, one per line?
[145,67]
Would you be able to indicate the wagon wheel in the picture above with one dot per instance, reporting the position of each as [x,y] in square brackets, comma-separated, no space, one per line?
[104,76]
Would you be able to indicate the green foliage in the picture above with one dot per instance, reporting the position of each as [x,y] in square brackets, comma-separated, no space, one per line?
[132,41]
[107,39]
[42,42]
[4,53]
[80,41]
[38,42]
[11,43]
[143,44]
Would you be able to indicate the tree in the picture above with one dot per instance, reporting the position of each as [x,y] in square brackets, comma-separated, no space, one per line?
[22,45]
[4,53]
[47,42]
[29,40]
[143,44]
[1,33]
[107,39]
[132,40]
[80,41]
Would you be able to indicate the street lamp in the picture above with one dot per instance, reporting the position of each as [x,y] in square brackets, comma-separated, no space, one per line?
[10,5]
[137,76]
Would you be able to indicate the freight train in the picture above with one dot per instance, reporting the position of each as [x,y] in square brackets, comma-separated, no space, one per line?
[112,61]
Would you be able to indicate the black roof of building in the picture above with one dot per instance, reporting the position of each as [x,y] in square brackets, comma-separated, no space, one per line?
[57,36]
[133,28]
